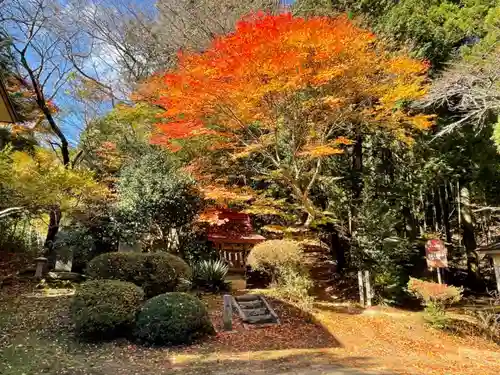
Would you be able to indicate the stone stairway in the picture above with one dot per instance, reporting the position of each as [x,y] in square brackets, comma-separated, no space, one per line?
[253,309]
[320,264]
[317,260]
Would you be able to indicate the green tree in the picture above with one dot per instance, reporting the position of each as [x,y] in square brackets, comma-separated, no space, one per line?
[118,138]
[37,183]
[156,201]
[433,29]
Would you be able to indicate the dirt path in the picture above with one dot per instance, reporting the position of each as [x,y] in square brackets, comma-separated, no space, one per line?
[400,342]
[378,341]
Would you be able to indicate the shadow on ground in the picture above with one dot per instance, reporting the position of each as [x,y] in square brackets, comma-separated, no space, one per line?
[339,308]
[298,329]
[38,339]
[282,363]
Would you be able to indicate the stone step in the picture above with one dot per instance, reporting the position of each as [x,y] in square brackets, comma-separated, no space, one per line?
[321,267]
[251,304]
[312,255]
[320,262]
[315,250]
[247,298]
[255,312]
[260,319]
[321,276]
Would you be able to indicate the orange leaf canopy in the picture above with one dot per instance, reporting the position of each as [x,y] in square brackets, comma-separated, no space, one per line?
[247,76]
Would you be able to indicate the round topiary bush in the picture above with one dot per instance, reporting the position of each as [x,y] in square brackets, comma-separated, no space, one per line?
[105,308]
[272,255]
[172,319]
[156,273]
[181,268]
[117,266]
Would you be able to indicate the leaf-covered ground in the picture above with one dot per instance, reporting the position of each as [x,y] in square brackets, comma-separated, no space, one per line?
[36,338]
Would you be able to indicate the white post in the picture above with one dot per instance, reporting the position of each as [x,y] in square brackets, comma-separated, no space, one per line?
[440,281]
[368,289]
[496,266]
[227,315]
[361,288]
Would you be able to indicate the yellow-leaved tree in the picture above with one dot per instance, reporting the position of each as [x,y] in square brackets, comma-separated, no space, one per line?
[38,184]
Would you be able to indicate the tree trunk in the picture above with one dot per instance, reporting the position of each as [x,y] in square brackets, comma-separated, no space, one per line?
[357,168]
[338,245]
[411,225]
[55,214]
[438,210]
[446,212]
[42,104]
[303,197]
[50,251]
[429,212]
[423,227]
[338,248]
[356,190]
[388,163]
[469,237]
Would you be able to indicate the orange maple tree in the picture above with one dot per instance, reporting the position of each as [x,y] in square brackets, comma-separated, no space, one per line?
[289,91]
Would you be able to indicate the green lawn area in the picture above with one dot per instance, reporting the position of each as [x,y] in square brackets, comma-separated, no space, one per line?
[37,338]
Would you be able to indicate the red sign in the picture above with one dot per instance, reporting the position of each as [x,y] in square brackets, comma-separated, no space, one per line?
[436,254]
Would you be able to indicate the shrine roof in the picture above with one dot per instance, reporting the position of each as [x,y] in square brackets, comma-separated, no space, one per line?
[236,227]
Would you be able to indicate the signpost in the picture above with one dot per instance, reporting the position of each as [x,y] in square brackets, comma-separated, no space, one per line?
[437,256]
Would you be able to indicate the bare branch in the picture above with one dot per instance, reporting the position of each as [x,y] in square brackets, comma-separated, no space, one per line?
[471,91]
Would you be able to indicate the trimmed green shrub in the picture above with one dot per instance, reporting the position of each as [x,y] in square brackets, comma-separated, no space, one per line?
[156,273]
[172,319]
[284,261]
[118,266]
[105,308]
[181,268]
[294,286]
[274,254]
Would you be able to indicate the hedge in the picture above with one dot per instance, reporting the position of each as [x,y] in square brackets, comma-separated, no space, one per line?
[156,273]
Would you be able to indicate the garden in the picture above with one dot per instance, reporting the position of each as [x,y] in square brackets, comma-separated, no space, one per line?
[274,187]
